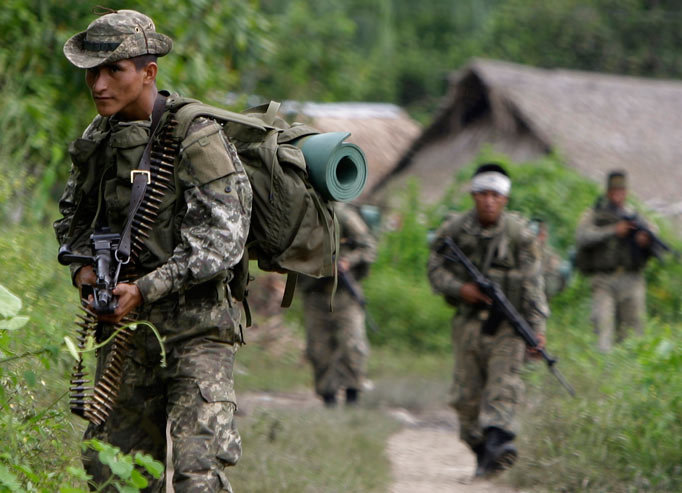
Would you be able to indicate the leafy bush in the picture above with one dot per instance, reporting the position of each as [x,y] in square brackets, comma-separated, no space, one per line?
[399,295]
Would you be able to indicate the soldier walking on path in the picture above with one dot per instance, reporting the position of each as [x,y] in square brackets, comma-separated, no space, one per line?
[337,344]
[612,249]
[489,355]
[191,236]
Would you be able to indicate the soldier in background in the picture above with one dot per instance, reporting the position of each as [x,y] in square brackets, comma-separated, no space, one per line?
[337,344]
[488,353]
[555,271]
[612,250]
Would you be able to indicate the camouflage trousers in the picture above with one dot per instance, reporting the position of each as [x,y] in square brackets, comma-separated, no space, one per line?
[182,415]
[337,344]
[487,384]
[618,306]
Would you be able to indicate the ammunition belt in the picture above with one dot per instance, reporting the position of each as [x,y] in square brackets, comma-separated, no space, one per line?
[95,402]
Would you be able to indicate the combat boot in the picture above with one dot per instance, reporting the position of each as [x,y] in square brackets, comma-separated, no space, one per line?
[498,452]
[352,396]
[329,399]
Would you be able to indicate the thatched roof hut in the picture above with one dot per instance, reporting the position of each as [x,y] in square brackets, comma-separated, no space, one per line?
[596,122]
[383,131]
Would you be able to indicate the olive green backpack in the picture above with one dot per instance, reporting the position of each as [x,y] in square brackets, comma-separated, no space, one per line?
[293,228]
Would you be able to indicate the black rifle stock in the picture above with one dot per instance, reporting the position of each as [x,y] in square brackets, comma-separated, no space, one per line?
[493,291]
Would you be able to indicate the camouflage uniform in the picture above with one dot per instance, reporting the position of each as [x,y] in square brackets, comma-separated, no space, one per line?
[616,275]
[337,344]
[182,414]
[487,382]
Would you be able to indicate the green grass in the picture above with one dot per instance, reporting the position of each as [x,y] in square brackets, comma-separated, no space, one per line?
[313,450]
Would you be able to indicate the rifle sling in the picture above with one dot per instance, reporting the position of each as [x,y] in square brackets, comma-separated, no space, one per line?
[139,178]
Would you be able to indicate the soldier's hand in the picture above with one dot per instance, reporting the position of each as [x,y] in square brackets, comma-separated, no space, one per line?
[623,228]
[85,276]
[533,353]
[471,294]
[643,239]
[343,264]
[129,298]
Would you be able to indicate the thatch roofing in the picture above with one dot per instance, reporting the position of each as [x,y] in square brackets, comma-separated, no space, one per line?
[596,122]
[383,131]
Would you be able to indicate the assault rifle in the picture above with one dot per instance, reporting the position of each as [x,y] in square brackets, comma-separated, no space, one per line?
[104,244]
[501,303]
[657,244]
[350,284]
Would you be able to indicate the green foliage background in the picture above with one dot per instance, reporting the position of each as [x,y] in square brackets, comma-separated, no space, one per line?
[373,50]
[623,431]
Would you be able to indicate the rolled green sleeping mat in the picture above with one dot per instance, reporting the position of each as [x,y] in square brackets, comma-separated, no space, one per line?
[337,169]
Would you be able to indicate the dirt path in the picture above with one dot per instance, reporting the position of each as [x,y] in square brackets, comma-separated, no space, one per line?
[426,455]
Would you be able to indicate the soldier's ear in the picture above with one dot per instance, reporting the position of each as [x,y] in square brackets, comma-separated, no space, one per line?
[149,73]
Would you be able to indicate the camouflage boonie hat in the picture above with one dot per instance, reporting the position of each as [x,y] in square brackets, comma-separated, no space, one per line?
[117,36]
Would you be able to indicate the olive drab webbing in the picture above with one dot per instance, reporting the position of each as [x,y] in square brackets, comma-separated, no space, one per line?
[95,402]
[613,252]
[293,228]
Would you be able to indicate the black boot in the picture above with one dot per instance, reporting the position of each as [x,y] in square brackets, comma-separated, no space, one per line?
[498,452]
[351,397]
[329,399]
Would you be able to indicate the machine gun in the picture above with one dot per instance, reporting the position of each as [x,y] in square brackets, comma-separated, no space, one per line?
[504,306]
[104,244]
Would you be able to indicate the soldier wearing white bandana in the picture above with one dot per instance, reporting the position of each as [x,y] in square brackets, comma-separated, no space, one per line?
[488,353]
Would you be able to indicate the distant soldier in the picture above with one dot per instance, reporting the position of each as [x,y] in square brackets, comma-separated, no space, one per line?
[337,344]
[555,270]
[613,251]
[488,354]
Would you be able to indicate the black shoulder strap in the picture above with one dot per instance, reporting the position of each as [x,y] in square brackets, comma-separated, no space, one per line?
[140,178]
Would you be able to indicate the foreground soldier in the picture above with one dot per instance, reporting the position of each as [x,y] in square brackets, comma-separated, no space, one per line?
[181,414]
[489,356]
[337,344]
[613,252]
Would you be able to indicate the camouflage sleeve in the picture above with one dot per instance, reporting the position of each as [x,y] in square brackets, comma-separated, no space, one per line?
[533,300]
[355,231]
[442,277]
[215,225]
[588,234]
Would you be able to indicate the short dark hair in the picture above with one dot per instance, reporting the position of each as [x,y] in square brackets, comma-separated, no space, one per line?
[143,60]
[490,167]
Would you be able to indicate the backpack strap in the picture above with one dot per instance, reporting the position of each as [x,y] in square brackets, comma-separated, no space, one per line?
[188,112]
[271,112]
[140,178]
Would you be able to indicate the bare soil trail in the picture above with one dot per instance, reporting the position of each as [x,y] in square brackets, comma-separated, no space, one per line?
[426,455]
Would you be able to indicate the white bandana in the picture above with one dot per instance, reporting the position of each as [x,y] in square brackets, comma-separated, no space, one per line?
[491,180]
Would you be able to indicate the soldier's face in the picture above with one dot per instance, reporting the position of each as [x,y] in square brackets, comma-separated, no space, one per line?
[117,88]
[617,196]
[489,206]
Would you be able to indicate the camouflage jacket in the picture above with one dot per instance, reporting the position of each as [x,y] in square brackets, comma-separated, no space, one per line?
[515,263]
[599,249]
[201,229]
